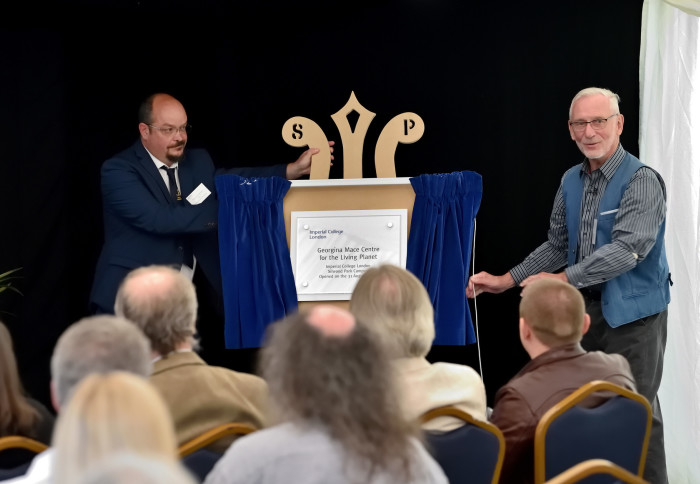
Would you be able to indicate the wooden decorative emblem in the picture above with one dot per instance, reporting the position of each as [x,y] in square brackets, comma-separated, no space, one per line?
[404,128]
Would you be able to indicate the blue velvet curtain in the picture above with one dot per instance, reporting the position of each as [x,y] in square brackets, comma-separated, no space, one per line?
[256,268]
[440,246]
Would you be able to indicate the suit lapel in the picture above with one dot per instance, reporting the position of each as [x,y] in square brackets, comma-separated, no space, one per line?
[186,174]
[151,175]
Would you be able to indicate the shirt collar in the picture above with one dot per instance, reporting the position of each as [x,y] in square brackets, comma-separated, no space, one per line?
[611,164]
[160,357]
[555,354]
[158,162]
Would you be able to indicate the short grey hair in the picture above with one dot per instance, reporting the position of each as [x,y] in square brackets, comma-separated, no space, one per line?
[162,302]
[98,344]
[592,91]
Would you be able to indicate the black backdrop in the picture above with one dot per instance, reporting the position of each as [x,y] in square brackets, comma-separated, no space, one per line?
[491,80]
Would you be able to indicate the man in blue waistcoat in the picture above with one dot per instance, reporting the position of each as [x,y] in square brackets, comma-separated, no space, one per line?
[614,208]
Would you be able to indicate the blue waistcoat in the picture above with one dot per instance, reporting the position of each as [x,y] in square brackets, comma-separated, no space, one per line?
[641,291]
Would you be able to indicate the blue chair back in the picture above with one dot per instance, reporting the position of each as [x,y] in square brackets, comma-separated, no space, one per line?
[616,430]
[586,470]
[195,455]
[472,453]
[201,462]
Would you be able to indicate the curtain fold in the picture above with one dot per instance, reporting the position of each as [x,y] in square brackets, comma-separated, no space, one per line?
[439,248]
[256,269]
[669,142]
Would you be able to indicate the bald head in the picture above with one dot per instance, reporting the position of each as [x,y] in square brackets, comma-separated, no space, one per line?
[554,310]
[145,282]
[163,303]
[331,321]
[162,125]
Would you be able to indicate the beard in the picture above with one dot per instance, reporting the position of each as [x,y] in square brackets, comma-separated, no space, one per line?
[176,158]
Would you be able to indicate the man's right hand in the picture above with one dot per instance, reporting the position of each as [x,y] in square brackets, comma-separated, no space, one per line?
[485,282]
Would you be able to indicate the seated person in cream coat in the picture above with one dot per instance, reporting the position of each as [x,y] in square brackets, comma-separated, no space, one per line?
[396,305]
[163,303]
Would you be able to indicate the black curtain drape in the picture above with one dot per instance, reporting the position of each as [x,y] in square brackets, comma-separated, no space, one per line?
[491,81]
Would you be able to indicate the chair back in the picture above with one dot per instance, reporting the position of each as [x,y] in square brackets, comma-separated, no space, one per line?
[472,453]
[596,467]
[19,442]
[197,458]
[16,454]
[617,430]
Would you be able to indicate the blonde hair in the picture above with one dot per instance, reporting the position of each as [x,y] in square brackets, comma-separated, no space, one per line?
[396,305]
[555,311]
[133,468]
[111,413]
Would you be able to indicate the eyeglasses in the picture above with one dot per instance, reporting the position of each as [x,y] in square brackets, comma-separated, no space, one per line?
[596,124]
[171,130]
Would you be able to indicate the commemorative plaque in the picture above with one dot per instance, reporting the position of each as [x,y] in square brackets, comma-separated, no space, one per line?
[330,250]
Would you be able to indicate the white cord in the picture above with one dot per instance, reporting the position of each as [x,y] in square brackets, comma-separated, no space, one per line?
[476,313]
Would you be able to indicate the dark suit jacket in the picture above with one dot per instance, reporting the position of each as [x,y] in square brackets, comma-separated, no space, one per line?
[144,226]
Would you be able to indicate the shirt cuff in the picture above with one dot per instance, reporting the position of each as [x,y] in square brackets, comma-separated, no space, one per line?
[575,276]
[519,274]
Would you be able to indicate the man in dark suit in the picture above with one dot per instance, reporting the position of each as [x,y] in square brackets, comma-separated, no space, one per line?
[160,204]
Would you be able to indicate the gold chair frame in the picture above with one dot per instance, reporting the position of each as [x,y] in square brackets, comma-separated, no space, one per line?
[452,411]
[574,399]
[211,436]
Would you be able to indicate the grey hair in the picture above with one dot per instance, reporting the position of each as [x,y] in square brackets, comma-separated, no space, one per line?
[591,91]
[346,384]
[163,303]
[98,344]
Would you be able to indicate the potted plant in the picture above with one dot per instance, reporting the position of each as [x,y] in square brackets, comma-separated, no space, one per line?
[7,282]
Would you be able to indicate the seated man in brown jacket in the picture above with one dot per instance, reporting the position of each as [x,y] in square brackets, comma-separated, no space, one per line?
[163,303]
[552,321]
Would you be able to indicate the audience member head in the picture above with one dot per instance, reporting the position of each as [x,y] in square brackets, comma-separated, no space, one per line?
[97,344]
[134,468]
[17,416]
[163,303]
[394,303]
[163,127]
[342,380]
[110,413]
[552,314]
[595,124]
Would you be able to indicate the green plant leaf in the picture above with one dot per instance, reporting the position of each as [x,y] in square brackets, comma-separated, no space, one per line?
[6,279]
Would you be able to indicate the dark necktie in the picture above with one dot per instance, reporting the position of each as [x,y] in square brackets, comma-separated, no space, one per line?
[174,192]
